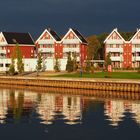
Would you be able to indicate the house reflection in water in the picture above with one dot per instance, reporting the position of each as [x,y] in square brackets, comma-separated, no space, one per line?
[21,105]
[46,108]
[115,111]
[55,105]
[3,106]
[15,105]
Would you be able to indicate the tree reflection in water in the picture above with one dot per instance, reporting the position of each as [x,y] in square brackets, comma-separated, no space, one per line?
[17,106]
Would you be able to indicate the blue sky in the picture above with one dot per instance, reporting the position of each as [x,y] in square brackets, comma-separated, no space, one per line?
[88,16]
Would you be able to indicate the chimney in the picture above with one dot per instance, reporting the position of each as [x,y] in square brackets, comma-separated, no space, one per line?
[49,29]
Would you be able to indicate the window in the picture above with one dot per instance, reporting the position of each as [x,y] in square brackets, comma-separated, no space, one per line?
[7,65]
[117,45]
[1,65]
[41,46]
[138,46]
[138,54]
[2,55]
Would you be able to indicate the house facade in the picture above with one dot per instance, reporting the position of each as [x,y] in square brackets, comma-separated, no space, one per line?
[124,54]
[49,44]
[53,47]
[8,42]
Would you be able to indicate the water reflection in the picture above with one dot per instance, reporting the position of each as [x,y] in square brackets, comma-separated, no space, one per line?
[64,107]
[21,106]
[116,110]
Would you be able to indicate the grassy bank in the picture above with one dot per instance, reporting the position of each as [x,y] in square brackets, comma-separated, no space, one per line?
[117,75]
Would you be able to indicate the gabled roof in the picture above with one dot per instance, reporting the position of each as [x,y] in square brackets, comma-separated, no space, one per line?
[80,36]
[77,34]
[138,30]
[115,30]
[20,38]
[2,36]
[52,33]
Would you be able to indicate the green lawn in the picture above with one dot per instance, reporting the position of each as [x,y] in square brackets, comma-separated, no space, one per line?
[117,75]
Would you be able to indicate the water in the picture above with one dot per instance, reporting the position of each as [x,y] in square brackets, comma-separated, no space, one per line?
[37,115]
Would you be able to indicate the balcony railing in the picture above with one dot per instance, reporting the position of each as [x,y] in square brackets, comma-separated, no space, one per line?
[46,41]
[135,49]
[136,41]
[114,41]
[136,58]
[71,50]
[3,43]
[71,41]
[116,58]
[114,50]
[3,51]
[43,50]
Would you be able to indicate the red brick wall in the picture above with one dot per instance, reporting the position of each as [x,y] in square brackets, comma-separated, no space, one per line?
[127,55]
[27,51]
[58,50]
[83,52]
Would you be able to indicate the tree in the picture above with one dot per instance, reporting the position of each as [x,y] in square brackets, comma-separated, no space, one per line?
[57,66]
[74,61]
[39,62]
[69,66]
[93,46]
[108,60]
[101,39]
[12,65]
[20,64]
[88,66]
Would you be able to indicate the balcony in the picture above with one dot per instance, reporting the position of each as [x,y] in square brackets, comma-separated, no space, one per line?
[71,41]
[71,50]
[136,41]
[135,49]
[46,41]
[3,43]
[137,58]
[114,50]
[2,51]
[116,58]
[114,41]
[43,50]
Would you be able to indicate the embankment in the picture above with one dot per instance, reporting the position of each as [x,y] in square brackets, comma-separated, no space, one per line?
[90,84]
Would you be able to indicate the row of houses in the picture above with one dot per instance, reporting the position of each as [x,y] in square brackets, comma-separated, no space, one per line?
[49,44]
[124,53]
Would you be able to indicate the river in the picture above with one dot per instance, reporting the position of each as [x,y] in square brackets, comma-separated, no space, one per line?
[27,114]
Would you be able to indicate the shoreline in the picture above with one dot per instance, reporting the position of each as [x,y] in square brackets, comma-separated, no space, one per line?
[102,95]
[123,85]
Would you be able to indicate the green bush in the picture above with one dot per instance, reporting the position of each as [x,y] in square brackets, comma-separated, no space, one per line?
[11,70]
[57,66]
